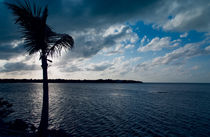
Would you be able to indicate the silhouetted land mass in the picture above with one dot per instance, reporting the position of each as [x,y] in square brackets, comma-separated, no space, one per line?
[67,81]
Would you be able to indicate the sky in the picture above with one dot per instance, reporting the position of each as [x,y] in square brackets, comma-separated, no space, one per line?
[147,40]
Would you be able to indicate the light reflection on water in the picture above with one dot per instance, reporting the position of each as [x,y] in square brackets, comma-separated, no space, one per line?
[36,101]
[116,109]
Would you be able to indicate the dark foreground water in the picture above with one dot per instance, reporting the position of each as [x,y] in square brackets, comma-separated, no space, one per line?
[116,109]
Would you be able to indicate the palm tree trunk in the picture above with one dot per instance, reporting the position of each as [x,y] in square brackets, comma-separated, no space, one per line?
[43,127]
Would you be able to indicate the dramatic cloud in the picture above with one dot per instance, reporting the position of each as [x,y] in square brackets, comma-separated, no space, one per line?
[185,15]
[92,13]
[107,43]
[70,15]
[189,15]
[85,19]
[12,49]
[112,40]
[8,31]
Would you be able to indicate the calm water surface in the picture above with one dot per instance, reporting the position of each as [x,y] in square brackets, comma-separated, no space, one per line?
[116,109]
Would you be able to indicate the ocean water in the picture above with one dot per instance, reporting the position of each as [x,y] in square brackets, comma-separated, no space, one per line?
[89,109]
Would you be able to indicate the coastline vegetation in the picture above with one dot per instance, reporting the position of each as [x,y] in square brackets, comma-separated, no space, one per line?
[67,81]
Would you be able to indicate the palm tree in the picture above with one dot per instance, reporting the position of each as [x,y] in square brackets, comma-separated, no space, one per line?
[40,38]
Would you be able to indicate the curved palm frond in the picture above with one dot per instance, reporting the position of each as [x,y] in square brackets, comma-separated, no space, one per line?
[62,41]
[37,34]
[32,20]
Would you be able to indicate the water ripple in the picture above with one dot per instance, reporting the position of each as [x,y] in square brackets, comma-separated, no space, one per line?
[116,109]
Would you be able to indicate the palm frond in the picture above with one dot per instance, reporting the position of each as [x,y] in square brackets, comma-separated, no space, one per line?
[37,34]
[32,20]
[62,42]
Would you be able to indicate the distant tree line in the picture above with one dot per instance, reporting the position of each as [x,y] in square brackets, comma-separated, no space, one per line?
[67,81]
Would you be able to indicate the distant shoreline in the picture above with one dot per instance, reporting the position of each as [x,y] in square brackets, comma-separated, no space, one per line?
[67,81]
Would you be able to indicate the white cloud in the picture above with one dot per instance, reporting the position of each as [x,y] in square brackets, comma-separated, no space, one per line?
[180,54]
[195,67]
[16,43]
[122,66]
[207,48]
[99,67]
[157,44]
[116,68]
[111,41]
[113,30]
[129,46]
[92,41]
[176,57]
[184,35]
[143,40]
[191,15]
[117,49]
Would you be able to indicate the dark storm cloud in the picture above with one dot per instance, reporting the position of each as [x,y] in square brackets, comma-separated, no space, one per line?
[80,14]
[74,16]
[69,15]
[8,31]
[19,66]
[7,51]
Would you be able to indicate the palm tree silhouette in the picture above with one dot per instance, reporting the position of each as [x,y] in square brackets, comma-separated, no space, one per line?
[39,37]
